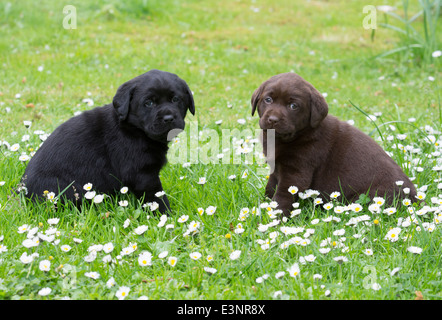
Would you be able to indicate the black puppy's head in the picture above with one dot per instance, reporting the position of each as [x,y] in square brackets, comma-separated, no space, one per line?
[288,104]
[155,102]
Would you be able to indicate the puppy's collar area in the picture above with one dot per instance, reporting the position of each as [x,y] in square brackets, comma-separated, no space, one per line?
[133,131]
[306,134]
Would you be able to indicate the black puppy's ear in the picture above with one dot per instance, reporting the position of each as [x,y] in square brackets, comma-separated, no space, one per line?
[255,98]
[122,99]
[191,102]
[318,107]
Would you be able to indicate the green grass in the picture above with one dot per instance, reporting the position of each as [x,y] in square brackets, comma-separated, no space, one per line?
[224,51]
[417,46]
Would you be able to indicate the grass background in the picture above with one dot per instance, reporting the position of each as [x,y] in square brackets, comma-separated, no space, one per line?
[223,50]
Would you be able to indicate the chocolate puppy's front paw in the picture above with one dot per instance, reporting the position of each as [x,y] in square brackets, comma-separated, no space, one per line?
[284,204]
[286,211]
[271,187]
[270,192]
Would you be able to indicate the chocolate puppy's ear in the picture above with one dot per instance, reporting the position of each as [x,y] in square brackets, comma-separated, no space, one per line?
[255,98]
[318,107]
[122,99]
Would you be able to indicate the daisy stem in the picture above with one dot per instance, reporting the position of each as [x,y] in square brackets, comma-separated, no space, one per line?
[30,268]
[368,117]
[340,273]
[90,208]
[313,211]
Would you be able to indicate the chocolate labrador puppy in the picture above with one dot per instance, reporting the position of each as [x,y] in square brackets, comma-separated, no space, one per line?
[120,144]
[317,151]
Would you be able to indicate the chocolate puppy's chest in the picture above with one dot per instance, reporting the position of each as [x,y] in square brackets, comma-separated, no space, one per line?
[297,163]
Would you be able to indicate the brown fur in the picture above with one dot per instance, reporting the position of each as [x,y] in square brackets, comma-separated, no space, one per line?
[317,151]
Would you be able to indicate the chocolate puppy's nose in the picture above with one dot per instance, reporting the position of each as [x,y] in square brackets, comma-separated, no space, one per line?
[168,118]
[273,119]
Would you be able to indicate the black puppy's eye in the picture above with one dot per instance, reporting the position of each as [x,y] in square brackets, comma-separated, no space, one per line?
[175,99]
[149,103]
[293,106]
[268,100]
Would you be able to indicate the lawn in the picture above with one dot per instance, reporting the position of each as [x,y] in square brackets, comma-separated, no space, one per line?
[224,239]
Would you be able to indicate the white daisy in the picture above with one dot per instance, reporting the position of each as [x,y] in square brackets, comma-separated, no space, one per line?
[294,270]
[415,250]
[235,255]
[195,255]
[122,292]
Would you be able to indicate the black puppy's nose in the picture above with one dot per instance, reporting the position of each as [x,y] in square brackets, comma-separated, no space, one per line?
[168,118]
[273,119]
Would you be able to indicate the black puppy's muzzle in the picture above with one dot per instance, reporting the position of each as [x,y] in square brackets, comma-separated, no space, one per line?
[165,122]
[168,118]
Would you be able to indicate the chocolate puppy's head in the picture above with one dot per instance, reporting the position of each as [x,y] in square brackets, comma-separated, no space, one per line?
[155,102]
[288,104]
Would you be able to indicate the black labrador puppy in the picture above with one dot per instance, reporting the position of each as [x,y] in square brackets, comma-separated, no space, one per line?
[119,144]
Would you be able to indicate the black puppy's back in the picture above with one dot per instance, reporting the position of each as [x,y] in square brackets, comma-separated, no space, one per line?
[92,148]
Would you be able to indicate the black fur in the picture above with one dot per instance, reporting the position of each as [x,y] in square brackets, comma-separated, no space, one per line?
[119,144]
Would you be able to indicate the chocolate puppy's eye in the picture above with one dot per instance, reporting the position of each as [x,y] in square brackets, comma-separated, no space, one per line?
[268,100]
[149,103]
[175,99]
[293,106]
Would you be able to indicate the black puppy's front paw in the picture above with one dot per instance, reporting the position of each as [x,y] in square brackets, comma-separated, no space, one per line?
[158,202]
[164,206]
